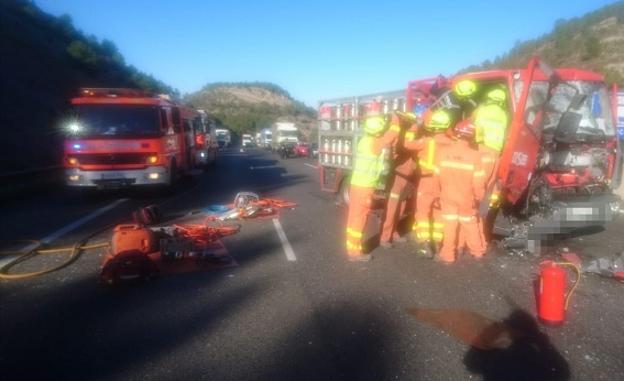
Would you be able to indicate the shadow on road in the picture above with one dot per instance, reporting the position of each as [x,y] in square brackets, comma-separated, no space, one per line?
[81,332]
[351,342]
[529,356]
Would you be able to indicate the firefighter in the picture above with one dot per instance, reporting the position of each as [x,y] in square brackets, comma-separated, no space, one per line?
[403,168]
[459,179]
[367,171]
[491,122]
[428,228]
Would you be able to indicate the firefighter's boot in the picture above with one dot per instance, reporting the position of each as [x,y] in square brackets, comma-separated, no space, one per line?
[424,249]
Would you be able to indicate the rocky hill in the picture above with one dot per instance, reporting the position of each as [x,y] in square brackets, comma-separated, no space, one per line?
[593,41]
[251,106]
[45,59]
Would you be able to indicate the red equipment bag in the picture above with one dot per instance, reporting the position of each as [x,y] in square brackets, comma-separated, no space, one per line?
[133,237]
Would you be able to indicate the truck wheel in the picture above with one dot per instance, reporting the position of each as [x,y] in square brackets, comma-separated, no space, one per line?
[173,175]
[343,192]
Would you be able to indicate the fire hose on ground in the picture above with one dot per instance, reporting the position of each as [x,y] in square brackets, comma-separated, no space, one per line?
[246,205]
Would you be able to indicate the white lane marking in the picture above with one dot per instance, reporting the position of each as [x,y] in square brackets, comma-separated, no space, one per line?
[288,250]
[311,166]
[64,230]
[74,225]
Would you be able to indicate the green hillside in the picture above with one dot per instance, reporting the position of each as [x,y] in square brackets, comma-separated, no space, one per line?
[251,106]
[45,59]
[594,41]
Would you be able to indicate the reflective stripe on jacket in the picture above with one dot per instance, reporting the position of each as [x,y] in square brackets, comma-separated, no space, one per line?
[427,149]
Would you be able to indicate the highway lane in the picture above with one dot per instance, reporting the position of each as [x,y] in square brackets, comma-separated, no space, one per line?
[316,317]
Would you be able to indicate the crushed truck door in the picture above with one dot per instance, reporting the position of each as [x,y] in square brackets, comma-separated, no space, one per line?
[519,158]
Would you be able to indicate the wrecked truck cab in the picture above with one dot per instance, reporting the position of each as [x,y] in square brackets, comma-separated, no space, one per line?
[562,157]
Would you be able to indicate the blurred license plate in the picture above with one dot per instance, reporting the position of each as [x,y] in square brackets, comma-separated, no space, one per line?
[582,211]
[112,175]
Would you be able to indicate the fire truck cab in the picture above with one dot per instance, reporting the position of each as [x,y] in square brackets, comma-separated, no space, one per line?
[127,137]
[562,157]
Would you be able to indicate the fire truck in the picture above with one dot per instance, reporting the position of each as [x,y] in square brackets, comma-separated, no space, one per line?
[562,158]
[119,137]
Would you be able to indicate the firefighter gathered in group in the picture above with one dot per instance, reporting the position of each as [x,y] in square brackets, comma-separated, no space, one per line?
[427,227]
[459,182]
[490,120]
[370,162]
[450,167]
[401,177]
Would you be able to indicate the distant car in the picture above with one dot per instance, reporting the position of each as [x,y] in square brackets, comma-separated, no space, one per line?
[314,150]
[302,149]
[287,150]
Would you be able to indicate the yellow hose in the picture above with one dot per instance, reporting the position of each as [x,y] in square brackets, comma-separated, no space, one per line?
[578,279]
[74,253]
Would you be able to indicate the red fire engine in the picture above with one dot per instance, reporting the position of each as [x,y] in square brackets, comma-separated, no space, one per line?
[127,137]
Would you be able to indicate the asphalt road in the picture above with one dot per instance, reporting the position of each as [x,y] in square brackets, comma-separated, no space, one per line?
[273,316]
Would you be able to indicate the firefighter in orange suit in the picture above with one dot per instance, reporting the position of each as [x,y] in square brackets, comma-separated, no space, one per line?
[490,121]
[402,177]
[369,164]
[427,227]
[460,181]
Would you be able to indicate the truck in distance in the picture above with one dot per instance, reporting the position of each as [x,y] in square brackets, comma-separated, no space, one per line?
[247,140]
[265,138]
[283,132]
[206,146]
[224,137]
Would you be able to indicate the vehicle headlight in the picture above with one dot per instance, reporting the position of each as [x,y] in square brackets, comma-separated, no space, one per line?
[615,206]
[74,127]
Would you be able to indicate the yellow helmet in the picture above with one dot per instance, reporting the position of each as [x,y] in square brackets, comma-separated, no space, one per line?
[438,120]
[497,95]
[374,125]
[465,88]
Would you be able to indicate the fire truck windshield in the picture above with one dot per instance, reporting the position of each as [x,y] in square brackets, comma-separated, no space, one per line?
[112,121]
[595,110]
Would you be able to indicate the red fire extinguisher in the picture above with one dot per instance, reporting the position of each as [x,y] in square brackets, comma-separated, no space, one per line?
[552,300]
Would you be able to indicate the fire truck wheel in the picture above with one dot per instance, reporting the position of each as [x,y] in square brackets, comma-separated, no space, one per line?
[343,192]
[173,174]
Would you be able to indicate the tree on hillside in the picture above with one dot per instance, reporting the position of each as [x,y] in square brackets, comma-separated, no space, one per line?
[569,41]
[66,23]
[82,52]
[592,47]
[110,50]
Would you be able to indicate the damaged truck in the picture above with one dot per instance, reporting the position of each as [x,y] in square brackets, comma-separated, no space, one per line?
[562,158]
[561,161]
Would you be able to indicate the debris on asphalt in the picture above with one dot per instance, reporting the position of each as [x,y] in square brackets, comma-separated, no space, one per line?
[607,267]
